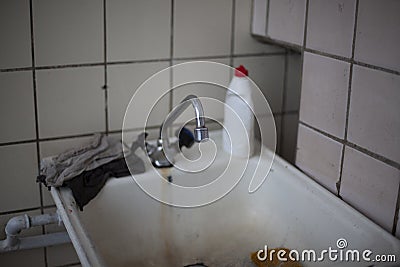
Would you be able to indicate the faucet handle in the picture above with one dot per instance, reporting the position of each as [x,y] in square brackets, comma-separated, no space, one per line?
[185,137]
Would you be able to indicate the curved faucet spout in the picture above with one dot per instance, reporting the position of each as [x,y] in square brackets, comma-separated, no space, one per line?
[200,132]
[158,153]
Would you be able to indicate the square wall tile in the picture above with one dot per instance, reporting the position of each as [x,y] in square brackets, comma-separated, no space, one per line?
[15,45]
[211,96]
[259,17]
[286,20]
[293,82]
[268,73]
[138,29]
[319,156]
[18,187]
[17,113]
[331,26]
[374,121]
[70,101]
[378,33]
[124,81]
[202,28]
[23,258]
[55,147]
[68,32]
[324,90]
[289,137]
[244,42]
[370,186]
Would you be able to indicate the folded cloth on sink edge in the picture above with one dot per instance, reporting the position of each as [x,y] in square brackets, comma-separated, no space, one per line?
[101,149]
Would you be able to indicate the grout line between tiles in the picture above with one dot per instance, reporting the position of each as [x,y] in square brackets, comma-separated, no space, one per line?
[355,146]
[346,125]
[396,213]
[171,56]
[105,86]
[283,104]
[232,48]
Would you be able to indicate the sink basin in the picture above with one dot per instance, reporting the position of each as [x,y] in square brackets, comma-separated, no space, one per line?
[124,226]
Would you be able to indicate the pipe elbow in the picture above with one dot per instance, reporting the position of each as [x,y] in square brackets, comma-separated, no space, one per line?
[16,224]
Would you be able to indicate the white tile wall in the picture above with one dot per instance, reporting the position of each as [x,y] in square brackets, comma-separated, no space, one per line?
[70,101]
[331,26]
[182,74]
[244,42]
[267,72]
[17,114]
[324,93]
[371,186]
[75,34]
[17,180]
[378,33]
[128,39]
[286,20]
[293,82]
[374,121]
[15,45]
[318,156]
[124,80]
[202,28]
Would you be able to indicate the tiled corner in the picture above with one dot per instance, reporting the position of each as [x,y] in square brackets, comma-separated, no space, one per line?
[202,28]
[208,93]
[267,72]
[19,187]
[374,121]
[17,115]
[293,82]
[286,20]
[324,93]
[289,135]
[318,156]
[330,26]
[75,34]
[55,147]
[244,42]
[15,45]
[124,81]
[259,19]
[138,29]
[370,186]
[70,101]
[378,36]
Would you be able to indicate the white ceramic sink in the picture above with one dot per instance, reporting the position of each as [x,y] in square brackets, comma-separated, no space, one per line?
[123,226]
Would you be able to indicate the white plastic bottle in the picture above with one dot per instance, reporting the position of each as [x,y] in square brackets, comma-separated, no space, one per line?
[238,136]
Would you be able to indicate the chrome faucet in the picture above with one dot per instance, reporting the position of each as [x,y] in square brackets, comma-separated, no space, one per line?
[200,133]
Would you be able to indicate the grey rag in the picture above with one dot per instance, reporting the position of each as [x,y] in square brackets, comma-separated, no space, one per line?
[100,150]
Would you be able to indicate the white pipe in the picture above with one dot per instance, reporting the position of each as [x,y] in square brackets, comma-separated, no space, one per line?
[16,224]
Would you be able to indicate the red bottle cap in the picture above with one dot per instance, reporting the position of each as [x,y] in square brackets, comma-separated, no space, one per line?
[241,71]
